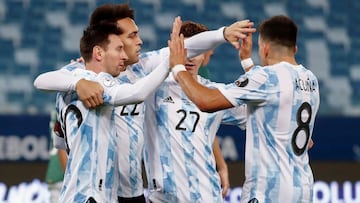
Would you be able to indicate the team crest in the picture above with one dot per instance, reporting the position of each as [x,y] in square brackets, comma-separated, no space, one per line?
[108,82]
[242,81]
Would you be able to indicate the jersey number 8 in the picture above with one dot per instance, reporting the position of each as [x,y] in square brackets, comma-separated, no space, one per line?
[298,142]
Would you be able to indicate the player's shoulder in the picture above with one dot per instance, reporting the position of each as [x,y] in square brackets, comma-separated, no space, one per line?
[308,71]
[148,54]
[73,66]
[106,79]
[209,83]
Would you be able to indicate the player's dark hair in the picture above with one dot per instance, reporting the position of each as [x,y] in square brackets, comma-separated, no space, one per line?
[111,13]
[97,35]
[190,28]
[279,29]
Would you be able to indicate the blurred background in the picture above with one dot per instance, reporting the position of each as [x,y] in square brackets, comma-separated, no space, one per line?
[42,35]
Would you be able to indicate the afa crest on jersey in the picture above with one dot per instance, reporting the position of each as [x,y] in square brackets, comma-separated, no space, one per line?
[242,81]
[108,81]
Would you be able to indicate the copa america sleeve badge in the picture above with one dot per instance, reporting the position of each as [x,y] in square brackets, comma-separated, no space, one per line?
[242,81]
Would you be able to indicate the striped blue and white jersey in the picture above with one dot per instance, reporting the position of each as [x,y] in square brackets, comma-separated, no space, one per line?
[131,179]
[130,127]
[179,145]
[91,141]
[129,123]
[282,102]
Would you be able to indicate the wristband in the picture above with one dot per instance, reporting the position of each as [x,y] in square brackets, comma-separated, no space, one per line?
[247,63]
[177,68]
[224,33]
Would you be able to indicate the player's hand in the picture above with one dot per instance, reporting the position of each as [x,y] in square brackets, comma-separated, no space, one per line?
[176,26]
[176,45]
[246,47]
[79,60]
[311,143]
[90,93]
[237,31]
[224,179]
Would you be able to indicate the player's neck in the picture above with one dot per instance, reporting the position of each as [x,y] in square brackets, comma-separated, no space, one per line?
[275,60]
[195,76]
[94,67]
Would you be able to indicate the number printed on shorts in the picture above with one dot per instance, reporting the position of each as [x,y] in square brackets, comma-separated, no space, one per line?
[300,137]
[183,117]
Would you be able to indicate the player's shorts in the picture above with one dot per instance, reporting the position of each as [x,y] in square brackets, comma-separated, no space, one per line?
[138,199]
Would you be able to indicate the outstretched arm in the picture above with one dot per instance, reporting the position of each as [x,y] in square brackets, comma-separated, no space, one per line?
[137,92]
[206,99]
[206,41]
[127,93]
[59,80]
[62,80]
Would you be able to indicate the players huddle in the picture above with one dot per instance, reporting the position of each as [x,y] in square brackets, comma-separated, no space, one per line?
[119,108]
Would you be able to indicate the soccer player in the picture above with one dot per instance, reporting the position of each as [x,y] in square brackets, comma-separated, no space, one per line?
[58,159]
[179,159]
[90,134]
[282,100]
[130,118]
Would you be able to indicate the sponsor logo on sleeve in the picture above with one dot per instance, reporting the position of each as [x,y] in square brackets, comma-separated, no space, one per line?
[242,81]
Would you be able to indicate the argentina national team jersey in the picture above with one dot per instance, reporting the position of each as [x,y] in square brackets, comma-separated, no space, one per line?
[92,146]
[129,125]
[282,101]
[130,128]
[178,146]
[129,121]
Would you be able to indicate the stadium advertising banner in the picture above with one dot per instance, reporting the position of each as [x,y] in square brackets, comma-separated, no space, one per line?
[334,192]
[24,138]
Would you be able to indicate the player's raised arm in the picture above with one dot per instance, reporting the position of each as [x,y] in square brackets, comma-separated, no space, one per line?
[208,40]
[238,31]
[137,92]
[245,53]
[202,96]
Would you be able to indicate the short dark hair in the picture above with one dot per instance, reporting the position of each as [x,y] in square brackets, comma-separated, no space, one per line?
[279,29]
[111,13]
[190,28]
[97,35]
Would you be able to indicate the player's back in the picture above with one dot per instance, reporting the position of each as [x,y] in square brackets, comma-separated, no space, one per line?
[277,166]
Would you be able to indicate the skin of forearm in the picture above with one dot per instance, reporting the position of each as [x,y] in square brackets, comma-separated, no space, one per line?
[206,99]
[220,161]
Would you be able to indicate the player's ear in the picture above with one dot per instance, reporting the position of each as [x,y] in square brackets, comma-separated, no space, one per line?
[266,49]
[97,53]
